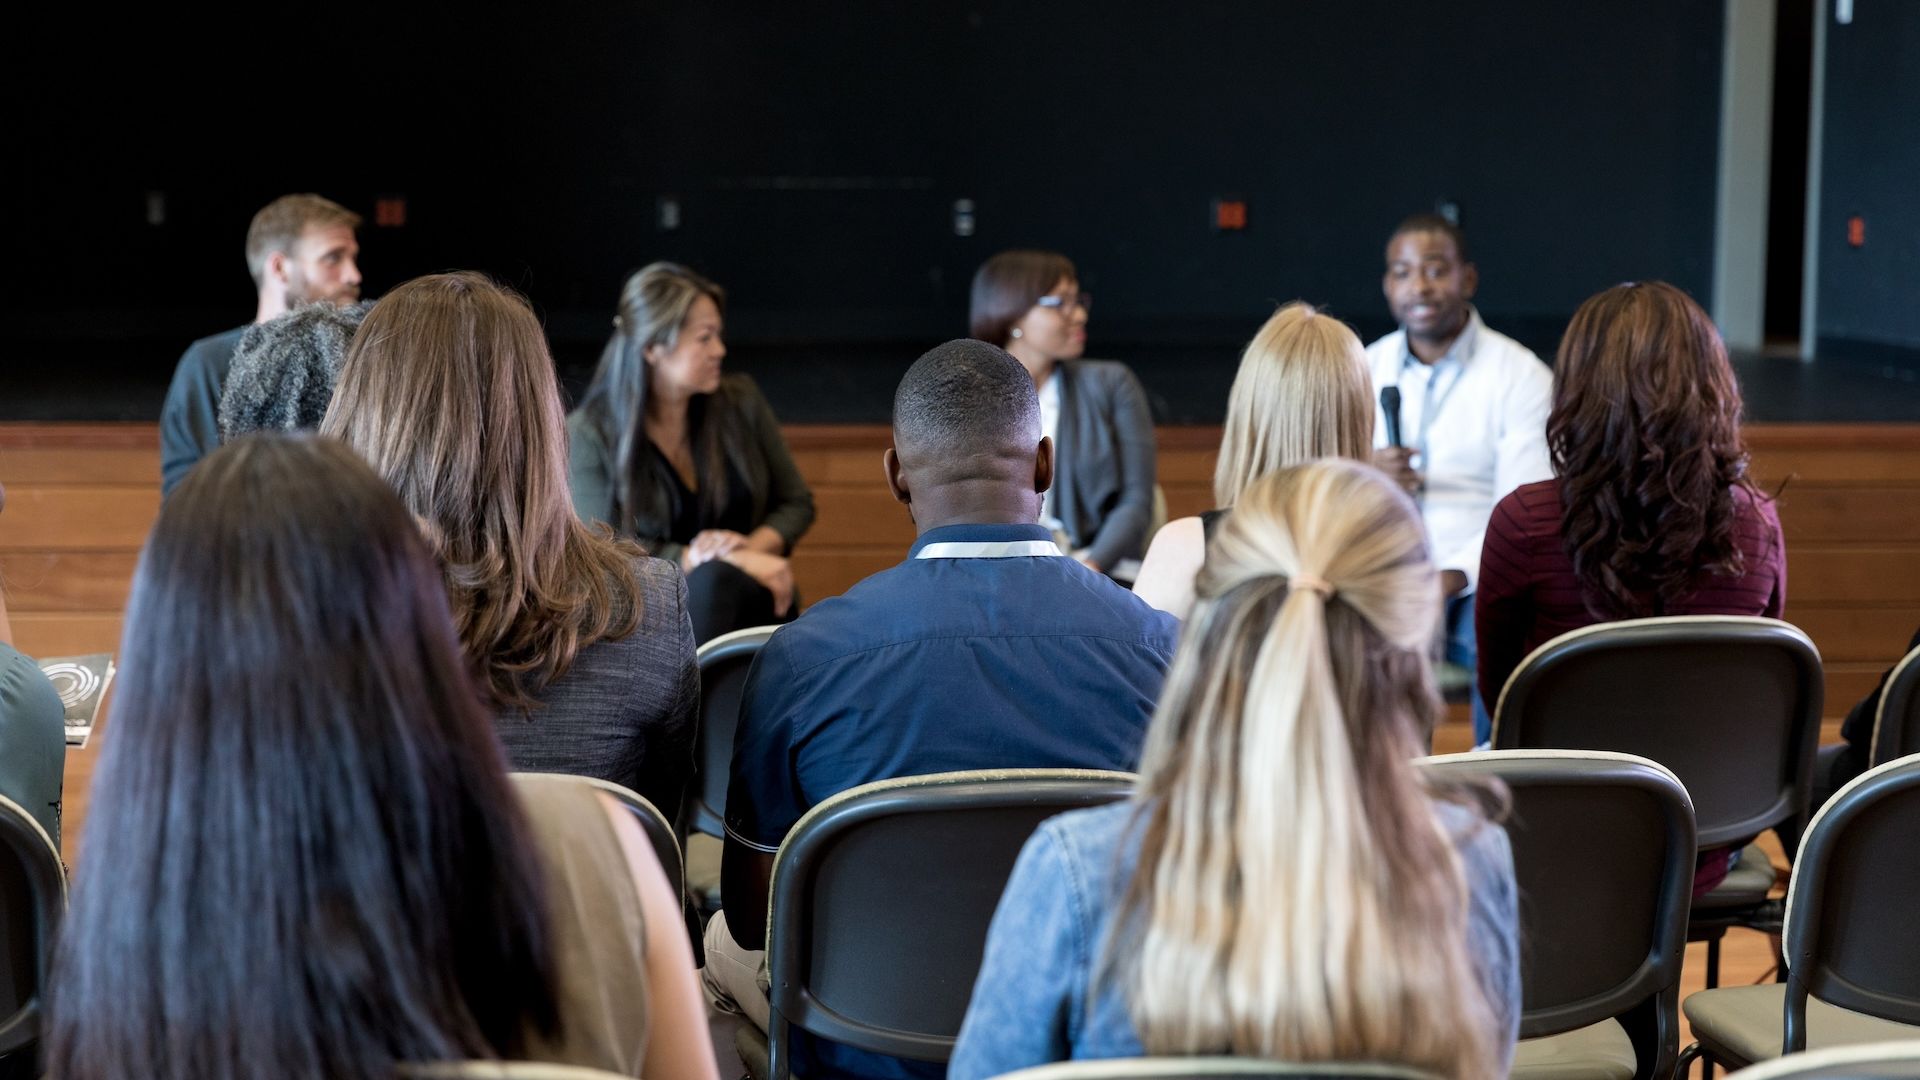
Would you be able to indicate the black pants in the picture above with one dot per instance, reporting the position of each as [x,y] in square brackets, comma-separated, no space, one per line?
[722,598]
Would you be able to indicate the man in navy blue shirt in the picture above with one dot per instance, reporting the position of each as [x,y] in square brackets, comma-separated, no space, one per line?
[986,648]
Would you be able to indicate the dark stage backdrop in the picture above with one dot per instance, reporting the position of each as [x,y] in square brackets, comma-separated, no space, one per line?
[1869,296]
[815,154]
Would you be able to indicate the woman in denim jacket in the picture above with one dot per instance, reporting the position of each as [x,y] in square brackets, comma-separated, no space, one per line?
[1283,885]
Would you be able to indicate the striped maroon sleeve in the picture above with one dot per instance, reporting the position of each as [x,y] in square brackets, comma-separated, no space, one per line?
[1502,606]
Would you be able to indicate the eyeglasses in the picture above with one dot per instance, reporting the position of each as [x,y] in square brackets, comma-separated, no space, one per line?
[1082,300]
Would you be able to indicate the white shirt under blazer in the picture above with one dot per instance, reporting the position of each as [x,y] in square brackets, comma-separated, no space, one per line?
[1477,421]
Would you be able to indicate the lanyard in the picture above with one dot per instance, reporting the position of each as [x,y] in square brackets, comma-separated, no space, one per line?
[1431,404]
[989,549]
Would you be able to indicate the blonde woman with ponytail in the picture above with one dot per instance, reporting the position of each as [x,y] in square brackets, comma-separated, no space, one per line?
[1283,885]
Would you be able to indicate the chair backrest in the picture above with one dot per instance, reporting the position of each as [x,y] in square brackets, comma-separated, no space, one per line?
[1851,938]
[723,675]
[881,898]
[1866,1061]
[1896,726]
[1603,852]
[504,1070]
[33,898]
[1195,1068]
[1731,704]
[660,832]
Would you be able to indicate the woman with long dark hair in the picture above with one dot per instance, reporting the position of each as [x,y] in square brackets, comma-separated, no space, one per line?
[1650,511]
[687,460]
[304,858]
[1283,884]
[1095,411]
[582,640]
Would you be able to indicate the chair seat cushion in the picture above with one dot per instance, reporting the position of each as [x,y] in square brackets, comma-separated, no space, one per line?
[1599,1052]
[1748,883]
[1741,1024]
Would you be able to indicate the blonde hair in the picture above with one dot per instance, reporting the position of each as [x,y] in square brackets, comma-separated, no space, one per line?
[1303,392]
[1296,897]
[449,392]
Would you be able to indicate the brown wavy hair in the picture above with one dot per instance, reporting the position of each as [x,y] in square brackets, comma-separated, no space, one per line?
[449,392]
[1645,438]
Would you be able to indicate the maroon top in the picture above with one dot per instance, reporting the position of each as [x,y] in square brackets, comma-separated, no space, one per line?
[1528,595]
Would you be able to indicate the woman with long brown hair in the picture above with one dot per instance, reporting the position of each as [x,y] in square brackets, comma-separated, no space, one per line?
[304,858]
[1283,883]
[1302,392]
[1650,510]
[688,460]
[583,642]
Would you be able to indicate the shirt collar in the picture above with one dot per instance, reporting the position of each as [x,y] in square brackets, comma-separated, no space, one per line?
[966,534]
[1460,351]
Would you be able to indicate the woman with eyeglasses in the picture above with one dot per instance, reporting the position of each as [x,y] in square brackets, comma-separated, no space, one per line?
[1030,304]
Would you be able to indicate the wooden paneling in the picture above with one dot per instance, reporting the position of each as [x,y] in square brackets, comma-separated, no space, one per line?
[1857,634]
[81,497]
[69,581]
[823,572]
[1827,573]
[65,518]
[1870,514]
[41,634]
[858,517]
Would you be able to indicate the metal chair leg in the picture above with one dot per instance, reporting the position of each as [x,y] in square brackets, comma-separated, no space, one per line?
[1686,1059]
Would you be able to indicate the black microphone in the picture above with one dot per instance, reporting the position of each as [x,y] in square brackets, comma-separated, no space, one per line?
[1390,404]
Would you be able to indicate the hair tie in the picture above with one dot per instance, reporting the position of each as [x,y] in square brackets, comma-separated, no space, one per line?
[1312,584]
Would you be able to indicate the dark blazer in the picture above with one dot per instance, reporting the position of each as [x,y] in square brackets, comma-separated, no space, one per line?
[1104,470]
[788,502]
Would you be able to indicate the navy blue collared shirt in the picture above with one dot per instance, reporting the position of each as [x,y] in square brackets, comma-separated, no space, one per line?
[940,664]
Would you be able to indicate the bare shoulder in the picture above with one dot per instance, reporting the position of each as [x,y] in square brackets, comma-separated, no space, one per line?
[1173,561]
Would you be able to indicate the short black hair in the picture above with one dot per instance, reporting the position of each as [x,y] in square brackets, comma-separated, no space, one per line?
[966,397]
[1437,224]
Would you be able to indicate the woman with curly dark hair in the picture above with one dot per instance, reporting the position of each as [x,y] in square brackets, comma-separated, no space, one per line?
[1650,510]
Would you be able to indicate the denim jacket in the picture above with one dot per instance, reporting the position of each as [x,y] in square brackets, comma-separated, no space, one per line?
[1031,1003]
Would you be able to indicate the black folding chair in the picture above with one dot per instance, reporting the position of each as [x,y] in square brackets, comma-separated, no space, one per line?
[881,897]
[1594,833]
[1896,725]
[724,663]
[1209,1068]
[1731,704]
[504,1070]
[1852,943]
[1873,1061]
[33,898]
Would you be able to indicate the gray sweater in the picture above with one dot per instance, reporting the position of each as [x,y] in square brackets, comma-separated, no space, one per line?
[626,710]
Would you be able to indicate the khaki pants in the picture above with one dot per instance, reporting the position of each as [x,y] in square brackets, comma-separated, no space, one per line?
[735,978]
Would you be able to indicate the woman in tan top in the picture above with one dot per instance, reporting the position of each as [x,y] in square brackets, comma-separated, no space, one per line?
[304,858]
